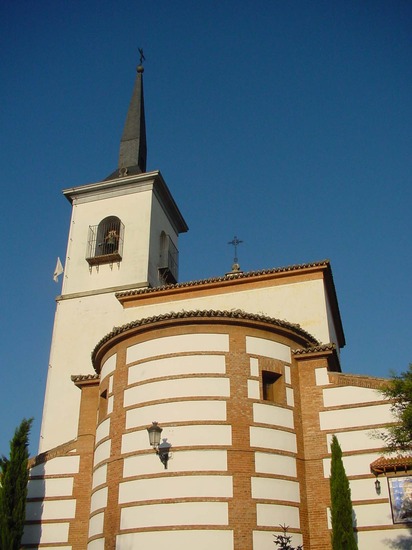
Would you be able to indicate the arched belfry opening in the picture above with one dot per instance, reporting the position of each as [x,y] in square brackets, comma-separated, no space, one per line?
[105,241]
[169,260]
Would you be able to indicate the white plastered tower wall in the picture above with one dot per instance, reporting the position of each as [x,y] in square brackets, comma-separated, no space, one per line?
[87,308]
[137,202]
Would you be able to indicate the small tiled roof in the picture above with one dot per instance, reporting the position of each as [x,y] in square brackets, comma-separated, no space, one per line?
[227,277]
[81,380]
[199,314]
[328,350]
[315,349]
[397,463]
[84,377]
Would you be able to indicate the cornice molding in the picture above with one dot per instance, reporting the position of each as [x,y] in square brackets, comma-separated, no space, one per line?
[203,316]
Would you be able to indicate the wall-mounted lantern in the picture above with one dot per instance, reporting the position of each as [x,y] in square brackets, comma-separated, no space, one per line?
[162,450]
[377,486]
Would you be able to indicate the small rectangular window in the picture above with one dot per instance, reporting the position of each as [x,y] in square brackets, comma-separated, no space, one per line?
[271,386]
[103,405]
[169,260]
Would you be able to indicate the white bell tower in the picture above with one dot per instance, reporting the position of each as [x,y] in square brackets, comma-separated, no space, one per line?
[123,235]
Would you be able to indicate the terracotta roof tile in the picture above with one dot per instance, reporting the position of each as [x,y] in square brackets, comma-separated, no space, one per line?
[198,314]
[227,277]
[391,464]
[84,377]
[314,349]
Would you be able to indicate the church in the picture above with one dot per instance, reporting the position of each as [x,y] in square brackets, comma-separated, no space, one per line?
[200,413]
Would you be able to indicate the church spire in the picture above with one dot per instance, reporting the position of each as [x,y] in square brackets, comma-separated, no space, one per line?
[133,147]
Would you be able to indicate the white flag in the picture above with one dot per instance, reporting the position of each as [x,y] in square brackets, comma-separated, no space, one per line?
[57,271]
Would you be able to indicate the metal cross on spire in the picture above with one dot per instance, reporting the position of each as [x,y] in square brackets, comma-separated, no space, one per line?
[142,57]
[235,242]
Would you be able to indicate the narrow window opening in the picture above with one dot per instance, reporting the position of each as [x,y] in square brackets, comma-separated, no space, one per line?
[103,405]
[271,386]
[169,260]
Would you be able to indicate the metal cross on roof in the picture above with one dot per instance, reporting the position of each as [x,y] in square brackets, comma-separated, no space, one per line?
[142,57]
[235,242]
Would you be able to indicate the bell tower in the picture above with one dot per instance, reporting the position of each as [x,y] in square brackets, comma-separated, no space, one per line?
[123,235]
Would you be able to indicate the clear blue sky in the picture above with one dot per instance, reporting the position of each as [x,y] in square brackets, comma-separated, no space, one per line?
[287,123]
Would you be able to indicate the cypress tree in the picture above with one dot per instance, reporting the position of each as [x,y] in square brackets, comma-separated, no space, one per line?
[343,537]
[13,489]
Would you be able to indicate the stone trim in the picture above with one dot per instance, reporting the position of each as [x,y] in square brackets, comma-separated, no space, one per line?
[361,381]
[62,450]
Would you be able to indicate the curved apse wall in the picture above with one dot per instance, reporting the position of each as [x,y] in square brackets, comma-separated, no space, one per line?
[222,392]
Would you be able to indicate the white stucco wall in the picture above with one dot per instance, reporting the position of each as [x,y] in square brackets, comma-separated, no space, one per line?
[134,211]
[269,438]
[164,488]
[267,348]
[99,476]
[356,416]
[349,395]
[102,452]
[299,302]
[273,515]
[282,465]
[182,387]
[96,524]
[79,324]
[364,489]
[253,389]
[46,533]
[103,430]
[177,540]
[188,461]
[47,488]
[159,223]
[183,343]
[356,440]
[262,540]
[180,411]
[97,544]
[271,414]
[190,364]
[99,499]
[355,465]
[58,465]
[108,367]
[51,509]
[275,489]
[180,513]
[181,436]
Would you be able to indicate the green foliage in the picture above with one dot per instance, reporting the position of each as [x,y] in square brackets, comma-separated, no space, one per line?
[283,542]
[399,390]
[13,489]
[343,537]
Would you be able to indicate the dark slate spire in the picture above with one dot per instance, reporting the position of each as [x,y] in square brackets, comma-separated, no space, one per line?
[133,148]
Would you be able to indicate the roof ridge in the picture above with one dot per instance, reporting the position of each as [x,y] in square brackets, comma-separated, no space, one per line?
[227,277]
